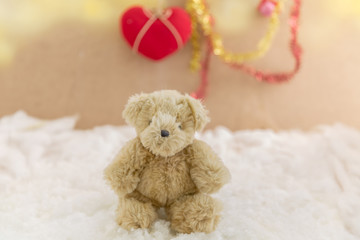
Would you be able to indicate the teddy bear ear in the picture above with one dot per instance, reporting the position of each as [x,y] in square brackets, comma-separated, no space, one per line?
[199,112]
[133,108]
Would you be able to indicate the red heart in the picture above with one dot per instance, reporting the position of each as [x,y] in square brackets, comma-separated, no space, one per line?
[156,35]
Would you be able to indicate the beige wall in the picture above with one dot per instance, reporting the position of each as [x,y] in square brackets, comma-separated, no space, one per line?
[88,69]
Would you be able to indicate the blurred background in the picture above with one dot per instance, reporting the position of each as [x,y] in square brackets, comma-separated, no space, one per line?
[67,57]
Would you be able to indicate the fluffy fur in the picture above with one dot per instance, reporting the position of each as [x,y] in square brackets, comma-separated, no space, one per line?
[285,185]
[175,172]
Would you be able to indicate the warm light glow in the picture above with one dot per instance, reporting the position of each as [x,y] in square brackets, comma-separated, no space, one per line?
[23,18]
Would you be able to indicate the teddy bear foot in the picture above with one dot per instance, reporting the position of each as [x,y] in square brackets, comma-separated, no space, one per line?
[194,213]
[132,214]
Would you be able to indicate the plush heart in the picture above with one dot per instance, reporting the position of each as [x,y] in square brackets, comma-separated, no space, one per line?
[156,35]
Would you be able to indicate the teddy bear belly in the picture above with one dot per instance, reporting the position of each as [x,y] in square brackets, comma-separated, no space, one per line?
[163,182]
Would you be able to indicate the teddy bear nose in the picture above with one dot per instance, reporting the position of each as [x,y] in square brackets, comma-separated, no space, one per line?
[165,133]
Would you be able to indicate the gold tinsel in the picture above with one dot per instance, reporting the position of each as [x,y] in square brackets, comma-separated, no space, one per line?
[200,15]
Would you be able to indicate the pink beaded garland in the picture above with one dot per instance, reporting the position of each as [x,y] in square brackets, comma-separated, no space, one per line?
[267,7]
[276,77]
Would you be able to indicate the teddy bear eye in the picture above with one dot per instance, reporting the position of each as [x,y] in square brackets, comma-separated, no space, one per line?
[180,127]
[150,122]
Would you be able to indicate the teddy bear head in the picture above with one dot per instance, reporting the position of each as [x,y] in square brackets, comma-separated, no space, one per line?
[166,120]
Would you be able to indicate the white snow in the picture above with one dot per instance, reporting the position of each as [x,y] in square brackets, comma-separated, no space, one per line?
[288,185]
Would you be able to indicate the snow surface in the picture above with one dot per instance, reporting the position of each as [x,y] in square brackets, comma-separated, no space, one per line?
[288,185]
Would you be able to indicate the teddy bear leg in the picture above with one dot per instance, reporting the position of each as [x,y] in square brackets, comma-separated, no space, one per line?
[194,213]
[132,214]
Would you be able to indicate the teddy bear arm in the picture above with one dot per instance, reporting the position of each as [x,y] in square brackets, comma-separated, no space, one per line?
[123,173]
[208,172]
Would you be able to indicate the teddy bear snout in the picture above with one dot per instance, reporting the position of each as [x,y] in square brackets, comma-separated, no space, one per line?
[164,133]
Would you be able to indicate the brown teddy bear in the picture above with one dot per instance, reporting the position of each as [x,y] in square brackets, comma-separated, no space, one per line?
[164,166]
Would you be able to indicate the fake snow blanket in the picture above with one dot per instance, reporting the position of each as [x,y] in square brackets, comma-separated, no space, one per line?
[286,185]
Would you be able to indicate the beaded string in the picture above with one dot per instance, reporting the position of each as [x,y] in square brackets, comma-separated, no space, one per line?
[295,49]
[278,77]
[200,15]
[200,92]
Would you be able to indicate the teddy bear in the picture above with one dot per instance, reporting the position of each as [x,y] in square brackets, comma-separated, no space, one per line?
[165,167]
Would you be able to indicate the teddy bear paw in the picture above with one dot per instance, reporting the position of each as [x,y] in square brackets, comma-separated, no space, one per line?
[195,213]
[133,214]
